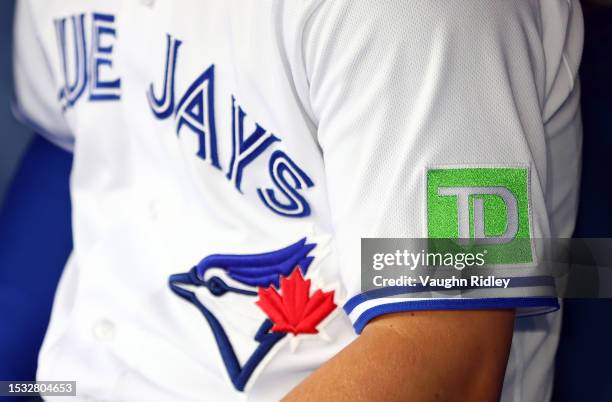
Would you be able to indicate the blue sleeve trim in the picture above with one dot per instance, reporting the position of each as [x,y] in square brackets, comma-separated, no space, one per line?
[517,282]
[550,304]
[62,141]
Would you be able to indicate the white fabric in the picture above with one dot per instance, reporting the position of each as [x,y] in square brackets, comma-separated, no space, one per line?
[363,95]
[35,100]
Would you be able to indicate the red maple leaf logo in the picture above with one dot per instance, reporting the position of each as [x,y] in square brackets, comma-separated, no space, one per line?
[295,310]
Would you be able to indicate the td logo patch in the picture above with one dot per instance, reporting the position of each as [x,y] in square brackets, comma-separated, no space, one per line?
[485,208]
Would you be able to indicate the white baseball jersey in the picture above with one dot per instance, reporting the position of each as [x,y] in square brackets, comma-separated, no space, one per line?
[230,155]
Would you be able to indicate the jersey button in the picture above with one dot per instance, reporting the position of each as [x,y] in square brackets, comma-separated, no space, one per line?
[104,330]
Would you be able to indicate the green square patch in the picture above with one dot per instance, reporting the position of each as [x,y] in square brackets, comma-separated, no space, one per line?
[483,209]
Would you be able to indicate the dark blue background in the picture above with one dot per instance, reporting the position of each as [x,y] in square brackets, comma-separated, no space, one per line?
[585,350]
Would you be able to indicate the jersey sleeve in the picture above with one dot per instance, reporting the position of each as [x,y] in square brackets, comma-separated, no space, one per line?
[420,103]
[36,93]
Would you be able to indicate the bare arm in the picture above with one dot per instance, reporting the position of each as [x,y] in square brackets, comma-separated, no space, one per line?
[418,356]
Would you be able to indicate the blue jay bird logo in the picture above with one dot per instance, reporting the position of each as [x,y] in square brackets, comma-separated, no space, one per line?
[260,271]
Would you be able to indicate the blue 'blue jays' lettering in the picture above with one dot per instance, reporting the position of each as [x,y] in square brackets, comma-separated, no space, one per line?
[196,111]
[245,151]
[103,32]
[254,270]
[73,86]
[81,68]
[163,106]
[283,169]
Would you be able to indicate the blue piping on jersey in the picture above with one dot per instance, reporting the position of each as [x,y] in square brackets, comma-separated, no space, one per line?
[550,304]
[516,282]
